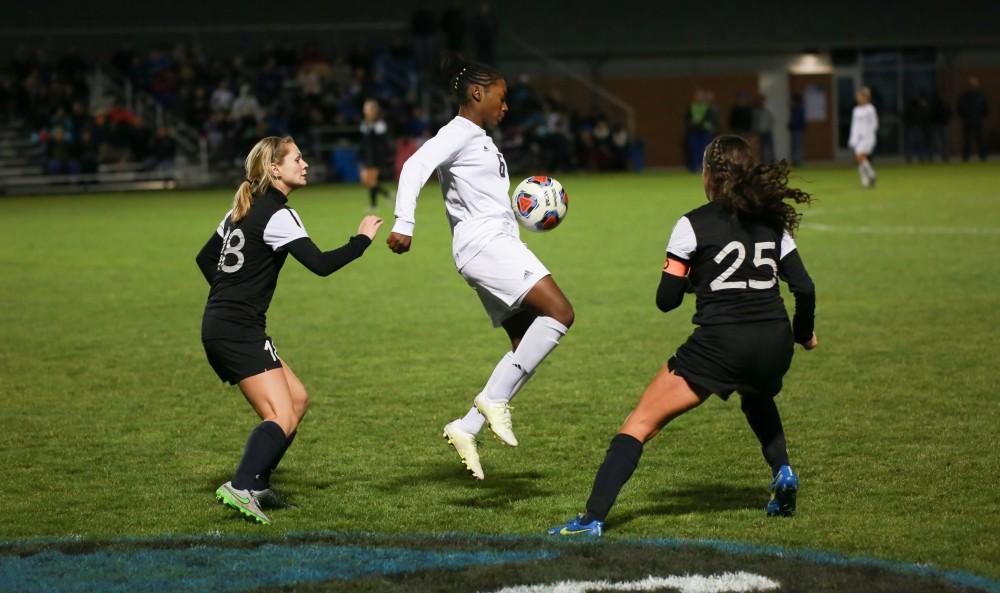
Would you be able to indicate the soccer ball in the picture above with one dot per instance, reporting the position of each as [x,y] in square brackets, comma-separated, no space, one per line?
[540,203]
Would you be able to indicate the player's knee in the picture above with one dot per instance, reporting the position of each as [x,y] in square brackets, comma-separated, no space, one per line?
[564,314]
[301,405]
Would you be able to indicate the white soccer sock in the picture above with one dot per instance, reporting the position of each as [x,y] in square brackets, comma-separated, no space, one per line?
[869,170]
[515,368]
[863,173]
[472,422]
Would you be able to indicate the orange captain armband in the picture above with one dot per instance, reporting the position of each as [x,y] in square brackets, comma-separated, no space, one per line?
[675,267]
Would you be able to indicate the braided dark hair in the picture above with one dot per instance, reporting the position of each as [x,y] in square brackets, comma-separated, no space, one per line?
[459,75]
[750,189]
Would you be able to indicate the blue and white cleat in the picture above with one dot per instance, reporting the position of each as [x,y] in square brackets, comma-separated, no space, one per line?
[574,528]
[783,489]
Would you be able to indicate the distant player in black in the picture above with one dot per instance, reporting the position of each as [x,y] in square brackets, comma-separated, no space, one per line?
[241,262]
[730,253]
[375,150]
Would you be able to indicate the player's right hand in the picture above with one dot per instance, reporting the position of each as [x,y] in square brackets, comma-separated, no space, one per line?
[399,243]
[812,343]
[369,226]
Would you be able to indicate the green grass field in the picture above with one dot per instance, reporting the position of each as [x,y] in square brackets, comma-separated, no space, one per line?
[113,424]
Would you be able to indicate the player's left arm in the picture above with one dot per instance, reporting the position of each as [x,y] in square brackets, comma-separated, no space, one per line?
[208,257]
[324,263]
[673,285]
[792,270]
[674,281]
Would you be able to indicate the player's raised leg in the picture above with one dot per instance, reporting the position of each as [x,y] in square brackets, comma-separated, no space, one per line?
[553,316]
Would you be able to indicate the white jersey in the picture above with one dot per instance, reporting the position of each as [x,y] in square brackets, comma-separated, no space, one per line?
[474,182]
[864,124]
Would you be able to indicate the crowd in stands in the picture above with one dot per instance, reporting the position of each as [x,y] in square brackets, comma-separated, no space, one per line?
[305,91]
[71,134]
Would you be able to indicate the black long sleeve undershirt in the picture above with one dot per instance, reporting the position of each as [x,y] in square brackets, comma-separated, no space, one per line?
[793,271]
[324,263]
[670,292]
[208,257]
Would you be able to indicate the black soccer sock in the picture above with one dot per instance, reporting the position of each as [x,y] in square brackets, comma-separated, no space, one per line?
[762,415]
[619,463]
[373,196]
[265,443]
[266,476]
[381,191]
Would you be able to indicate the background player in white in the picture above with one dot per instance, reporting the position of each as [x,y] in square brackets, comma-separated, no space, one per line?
[730,253]
[864,126]
[241,262]
[516,289]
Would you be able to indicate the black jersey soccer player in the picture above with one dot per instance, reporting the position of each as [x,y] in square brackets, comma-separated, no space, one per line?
[241,262]
[375,150]
[730,253]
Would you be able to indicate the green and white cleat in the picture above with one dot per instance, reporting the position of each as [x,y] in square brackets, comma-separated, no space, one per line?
[465,443]
[243,501]
[497,415]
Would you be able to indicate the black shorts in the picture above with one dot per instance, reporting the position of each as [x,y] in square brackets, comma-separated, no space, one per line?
[751,358]
[237,359]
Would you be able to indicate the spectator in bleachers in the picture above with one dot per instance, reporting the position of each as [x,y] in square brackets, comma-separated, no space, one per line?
[87,151]
[58,153]
[222,97]
[162,150]
[140,138]
[246,110]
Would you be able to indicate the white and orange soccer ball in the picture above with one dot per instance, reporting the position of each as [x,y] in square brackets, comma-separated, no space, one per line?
[540,203]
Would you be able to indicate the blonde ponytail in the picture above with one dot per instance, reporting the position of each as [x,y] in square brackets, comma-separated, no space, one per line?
[268,151]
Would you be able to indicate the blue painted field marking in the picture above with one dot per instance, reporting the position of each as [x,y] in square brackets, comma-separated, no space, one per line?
[212,568]
[964,579]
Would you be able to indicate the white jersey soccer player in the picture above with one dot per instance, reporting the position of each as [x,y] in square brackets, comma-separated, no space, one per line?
[516,289]
[864,127]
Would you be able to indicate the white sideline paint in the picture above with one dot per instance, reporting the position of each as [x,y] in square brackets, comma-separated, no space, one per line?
[900,230]
[727,582]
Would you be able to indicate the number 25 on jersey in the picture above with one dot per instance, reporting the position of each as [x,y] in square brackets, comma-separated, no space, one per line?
[722,281]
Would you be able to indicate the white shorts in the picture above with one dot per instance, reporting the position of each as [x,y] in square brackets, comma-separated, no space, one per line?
[864,147]
[501,274]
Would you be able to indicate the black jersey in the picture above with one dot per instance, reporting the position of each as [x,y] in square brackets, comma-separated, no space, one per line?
[733,265]
[252,254]
[374,143]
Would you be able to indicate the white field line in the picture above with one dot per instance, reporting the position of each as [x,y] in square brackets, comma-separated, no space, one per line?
[735,582]
[900,230]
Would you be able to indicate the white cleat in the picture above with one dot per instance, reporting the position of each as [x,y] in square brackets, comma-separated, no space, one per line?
[465,443]
[497,414]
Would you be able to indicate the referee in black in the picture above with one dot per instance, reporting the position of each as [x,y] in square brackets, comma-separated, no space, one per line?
[241,262]
[730,253]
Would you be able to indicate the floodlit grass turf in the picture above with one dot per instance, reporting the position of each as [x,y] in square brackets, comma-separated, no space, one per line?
[113,423]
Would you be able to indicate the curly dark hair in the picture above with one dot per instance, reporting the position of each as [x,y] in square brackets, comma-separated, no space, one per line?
[458,74]
[751,190]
